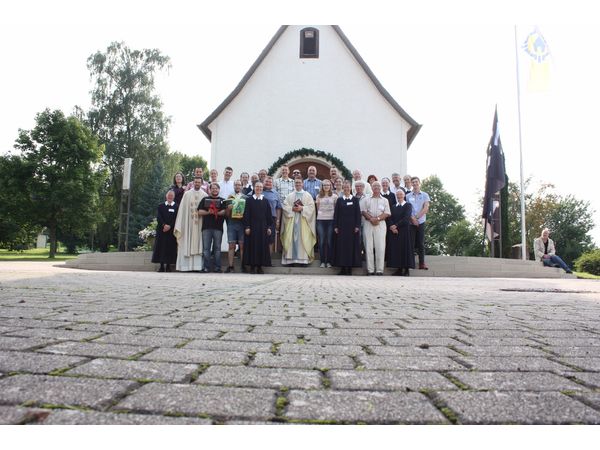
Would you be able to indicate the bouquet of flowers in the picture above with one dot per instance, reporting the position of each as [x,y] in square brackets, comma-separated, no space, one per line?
[147,235]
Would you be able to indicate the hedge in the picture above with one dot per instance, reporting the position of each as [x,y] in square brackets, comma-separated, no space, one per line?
[589,262]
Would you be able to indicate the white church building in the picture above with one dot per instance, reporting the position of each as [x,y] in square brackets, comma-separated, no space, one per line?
[310,89]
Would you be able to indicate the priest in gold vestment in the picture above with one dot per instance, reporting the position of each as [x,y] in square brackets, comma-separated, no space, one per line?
[298,237]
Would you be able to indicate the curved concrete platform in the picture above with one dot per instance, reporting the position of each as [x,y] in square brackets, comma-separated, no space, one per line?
[439,266]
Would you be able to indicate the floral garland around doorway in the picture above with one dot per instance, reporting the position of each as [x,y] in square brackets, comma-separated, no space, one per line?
[303,152]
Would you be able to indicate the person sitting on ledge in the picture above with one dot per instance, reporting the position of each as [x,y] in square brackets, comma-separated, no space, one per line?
[544,250]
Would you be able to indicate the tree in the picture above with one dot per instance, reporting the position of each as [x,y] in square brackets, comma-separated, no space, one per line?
[570,223]
[59,175]
[126,114]
[444,211]
[569,220]
[16,229]
[464,239]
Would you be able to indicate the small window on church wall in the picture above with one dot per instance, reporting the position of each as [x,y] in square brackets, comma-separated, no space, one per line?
[309,43]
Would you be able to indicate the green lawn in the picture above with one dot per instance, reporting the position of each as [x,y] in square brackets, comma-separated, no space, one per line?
[37,254]
[586,276]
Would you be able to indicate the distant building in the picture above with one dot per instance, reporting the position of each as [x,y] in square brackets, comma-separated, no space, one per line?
[309,88]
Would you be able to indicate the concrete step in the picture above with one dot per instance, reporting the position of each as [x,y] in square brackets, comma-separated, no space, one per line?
[439,266]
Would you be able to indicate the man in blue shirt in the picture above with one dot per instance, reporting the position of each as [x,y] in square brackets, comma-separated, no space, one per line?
[312,184]
[273,198]
[420,206]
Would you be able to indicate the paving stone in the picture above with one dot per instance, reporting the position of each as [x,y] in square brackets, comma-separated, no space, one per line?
[214,327]
[395,380]
[233,346]
[387,350]
[341,350]
[71,417]
[262,337]
[105,328]
[587,364]
[260,377]
[361,406]
[391,362]
[590,378]
[416,341]
[136,370]
[180,333]
[517,381]
[499,342]
[21,343]
[94,349]
[302,361]
[423,333]
[588,398]
[342,340]
[359,332]
[190,355]
[571,342]
[296,331]
[25,312]
[159,322]
[15,415]
[14,361]
[65,335]
[502,351]
[587,352]
[219,401]
[144,340]
[517,408]
[513,363]
[42,389]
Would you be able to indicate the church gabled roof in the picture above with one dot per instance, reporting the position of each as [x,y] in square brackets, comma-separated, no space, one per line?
[414,126]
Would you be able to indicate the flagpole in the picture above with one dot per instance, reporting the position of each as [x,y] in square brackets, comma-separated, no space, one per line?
[523,233]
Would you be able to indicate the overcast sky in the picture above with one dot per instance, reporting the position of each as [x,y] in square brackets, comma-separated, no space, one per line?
[447,69]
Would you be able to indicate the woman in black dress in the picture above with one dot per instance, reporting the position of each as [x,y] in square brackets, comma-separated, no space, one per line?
[178,187]
[165,245]
[346,229]
[257,222]
[400,246]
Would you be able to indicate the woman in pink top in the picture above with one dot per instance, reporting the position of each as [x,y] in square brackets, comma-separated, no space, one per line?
[325,208]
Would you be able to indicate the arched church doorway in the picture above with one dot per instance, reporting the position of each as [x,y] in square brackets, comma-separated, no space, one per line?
[303,164]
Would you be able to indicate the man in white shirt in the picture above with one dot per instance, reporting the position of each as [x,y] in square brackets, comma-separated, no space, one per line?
[226,186]
[375,210]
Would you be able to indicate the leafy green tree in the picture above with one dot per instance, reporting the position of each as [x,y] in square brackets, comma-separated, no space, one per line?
[59,160]
[126,114]
[570,223]
[464,239]
[444,211]
[16,229]
[569,220]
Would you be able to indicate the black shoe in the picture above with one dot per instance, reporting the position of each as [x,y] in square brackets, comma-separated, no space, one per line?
[399,272]
[244,269]
[342,271]
[379,273]
[259,270]
[370,273]
[203,271]
[229,269]
[406,272]
[252,269]
[161,268]
[349,271]
[218,270]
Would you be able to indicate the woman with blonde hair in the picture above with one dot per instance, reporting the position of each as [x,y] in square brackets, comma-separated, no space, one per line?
[325,207]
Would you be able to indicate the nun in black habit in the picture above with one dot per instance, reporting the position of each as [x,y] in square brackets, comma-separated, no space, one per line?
[346,231]
[400,252]
[165,245]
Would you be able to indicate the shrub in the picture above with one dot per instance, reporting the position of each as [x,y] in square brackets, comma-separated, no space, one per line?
[589,262]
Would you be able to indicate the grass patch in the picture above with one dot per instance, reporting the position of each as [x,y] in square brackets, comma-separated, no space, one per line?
[36,254]
[586,276]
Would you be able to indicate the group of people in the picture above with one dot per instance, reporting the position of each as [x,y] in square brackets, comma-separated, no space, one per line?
[381,222]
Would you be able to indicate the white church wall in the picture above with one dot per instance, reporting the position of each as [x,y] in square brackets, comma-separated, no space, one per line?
[327,104]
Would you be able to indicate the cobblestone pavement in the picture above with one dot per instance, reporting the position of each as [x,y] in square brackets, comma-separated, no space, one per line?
[81,347]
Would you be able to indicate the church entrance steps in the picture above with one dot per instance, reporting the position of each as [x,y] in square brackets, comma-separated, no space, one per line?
[439,266]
